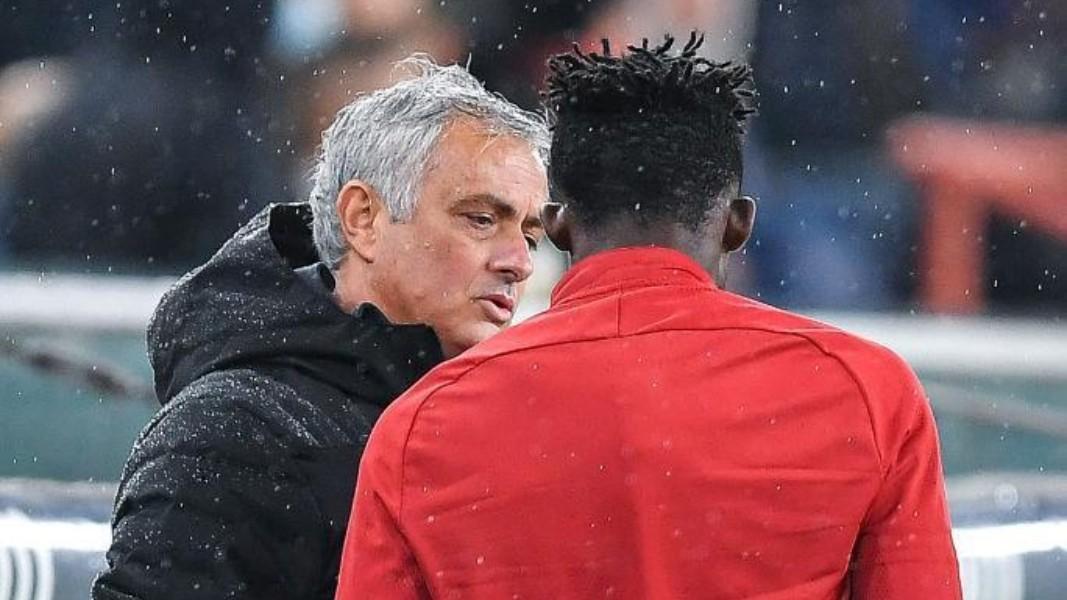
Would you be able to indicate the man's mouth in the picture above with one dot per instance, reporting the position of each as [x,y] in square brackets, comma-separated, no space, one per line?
[499,308]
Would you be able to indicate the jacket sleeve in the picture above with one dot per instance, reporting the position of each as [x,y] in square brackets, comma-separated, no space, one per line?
[208,508]
[905,547]
[378,561]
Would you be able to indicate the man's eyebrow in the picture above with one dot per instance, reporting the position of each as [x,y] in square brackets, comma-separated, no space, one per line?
[502,208]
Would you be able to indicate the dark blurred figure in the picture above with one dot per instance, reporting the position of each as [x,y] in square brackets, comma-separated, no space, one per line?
[997,59]
[334,50]
[508,42]
[162,146]
[838,228]
[30,28]
[834,226]
[1003,60]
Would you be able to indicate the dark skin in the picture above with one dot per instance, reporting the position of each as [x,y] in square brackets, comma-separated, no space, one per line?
[725,231]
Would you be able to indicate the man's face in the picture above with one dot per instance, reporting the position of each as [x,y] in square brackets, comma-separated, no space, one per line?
[460,263]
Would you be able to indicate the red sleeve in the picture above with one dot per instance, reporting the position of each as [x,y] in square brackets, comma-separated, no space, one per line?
[905,547]
[377,561]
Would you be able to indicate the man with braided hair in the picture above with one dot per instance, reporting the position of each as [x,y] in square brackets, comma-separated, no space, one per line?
[652,435]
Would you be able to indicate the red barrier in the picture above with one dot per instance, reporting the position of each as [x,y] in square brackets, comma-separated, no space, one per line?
[968,170]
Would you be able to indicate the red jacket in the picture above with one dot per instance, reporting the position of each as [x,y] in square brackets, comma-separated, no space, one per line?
[651,436]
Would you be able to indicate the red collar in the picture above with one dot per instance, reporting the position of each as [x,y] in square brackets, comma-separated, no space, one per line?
[623,268]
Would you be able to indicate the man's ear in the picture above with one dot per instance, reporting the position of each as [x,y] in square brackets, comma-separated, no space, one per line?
[740,217]
[558,222]
[361,211]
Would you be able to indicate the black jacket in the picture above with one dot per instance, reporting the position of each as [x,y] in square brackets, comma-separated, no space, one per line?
[241,485]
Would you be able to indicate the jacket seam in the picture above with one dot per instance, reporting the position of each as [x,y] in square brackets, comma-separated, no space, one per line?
[633,285]
[407,439]
[814,343]
[858,382]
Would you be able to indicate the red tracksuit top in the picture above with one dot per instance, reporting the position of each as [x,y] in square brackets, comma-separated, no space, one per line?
[651,436]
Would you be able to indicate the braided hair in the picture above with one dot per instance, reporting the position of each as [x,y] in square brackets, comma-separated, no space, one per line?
[653,133]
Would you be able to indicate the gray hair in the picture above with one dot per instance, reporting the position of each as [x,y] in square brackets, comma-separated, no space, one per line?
[386,138]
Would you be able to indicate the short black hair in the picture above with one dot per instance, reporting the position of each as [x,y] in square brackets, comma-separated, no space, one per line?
[651,133]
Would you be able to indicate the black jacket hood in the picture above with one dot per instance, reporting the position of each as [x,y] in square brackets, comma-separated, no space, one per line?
[246,306]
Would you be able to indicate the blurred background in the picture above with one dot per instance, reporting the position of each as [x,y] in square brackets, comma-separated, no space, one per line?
[910,160]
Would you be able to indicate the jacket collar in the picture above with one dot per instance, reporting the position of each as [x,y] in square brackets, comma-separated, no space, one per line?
[251,304]
[625,268]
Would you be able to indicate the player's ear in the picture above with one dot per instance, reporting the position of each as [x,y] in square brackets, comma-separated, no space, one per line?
[558,222]
[740,217]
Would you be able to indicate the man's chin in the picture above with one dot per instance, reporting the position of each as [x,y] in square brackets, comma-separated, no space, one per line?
[454,345]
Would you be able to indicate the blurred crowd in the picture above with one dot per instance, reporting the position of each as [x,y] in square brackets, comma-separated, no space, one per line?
[136,136]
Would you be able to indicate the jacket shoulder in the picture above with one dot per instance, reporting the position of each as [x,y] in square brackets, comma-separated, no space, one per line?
[220,408]
[859,354]
[890,389]
[289,407]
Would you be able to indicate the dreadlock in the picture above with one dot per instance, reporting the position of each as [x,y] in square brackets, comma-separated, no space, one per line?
[652,132]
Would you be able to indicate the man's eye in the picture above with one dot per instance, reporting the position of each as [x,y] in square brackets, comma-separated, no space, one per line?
[480,220]
[531,241]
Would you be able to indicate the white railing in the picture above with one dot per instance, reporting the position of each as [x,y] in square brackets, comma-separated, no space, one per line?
[960,345]
[78,302]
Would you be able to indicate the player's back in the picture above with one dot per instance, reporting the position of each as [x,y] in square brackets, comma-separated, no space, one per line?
[651,436]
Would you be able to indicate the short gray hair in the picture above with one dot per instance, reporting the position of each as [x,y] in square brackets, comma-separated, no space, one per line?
[386,138]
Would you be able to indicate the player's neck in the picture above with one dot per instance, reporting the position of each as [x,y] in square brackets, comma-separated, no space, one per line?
[610,237]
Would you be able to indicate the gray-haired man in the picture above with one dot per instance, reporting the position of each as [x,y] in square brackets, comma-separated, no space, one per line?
[273,359]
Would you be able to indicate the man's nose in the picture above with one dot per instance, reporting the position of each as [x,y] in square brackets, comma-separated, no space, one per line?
[513,258]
